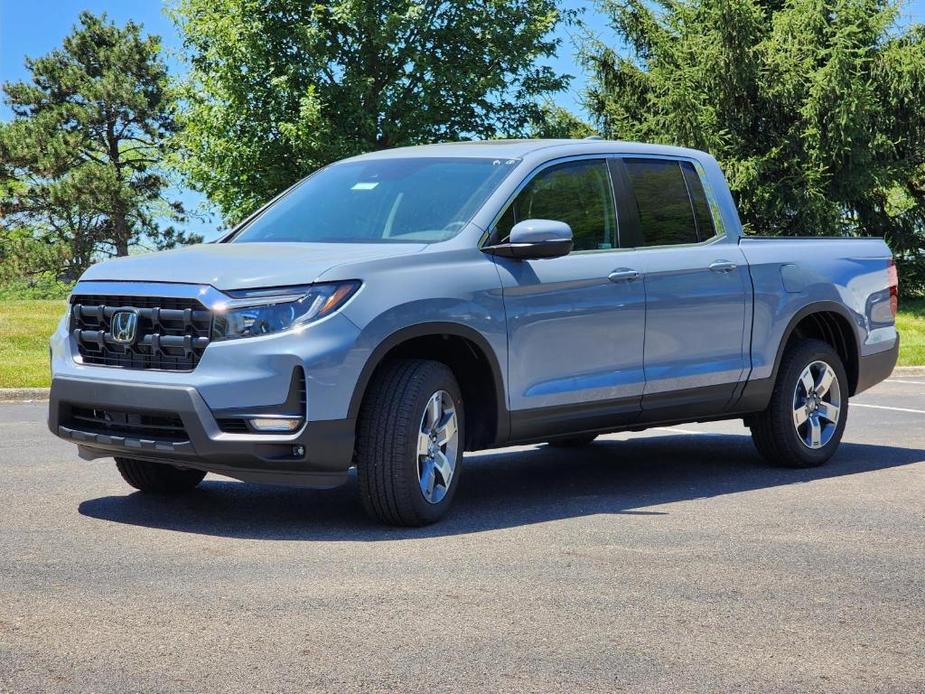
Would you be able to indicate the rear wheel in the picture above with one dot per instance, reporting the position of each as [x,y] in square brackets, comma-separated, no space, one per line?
[573,441]
[410,439]
[158,478]
[805,419]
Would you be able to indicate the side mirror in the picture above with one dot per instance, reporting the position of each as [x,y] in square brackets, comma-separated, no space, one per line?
[535,238]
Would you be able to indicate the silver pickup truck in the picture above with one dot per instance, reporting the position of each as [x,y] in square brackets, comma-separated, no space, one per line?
[395,309]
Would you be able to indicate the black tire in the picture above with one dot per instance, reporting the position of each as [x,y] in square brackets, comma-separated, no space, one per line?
[387,460]
[158,478]
[773,430]
[573,441]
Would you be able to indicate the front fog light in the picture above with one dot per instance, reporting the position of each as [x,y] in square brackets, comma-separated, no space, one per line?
[275,423]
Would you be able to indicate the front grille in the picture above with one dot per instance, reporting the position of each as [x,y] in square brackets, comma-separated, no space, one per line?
[171,334]
[161,426]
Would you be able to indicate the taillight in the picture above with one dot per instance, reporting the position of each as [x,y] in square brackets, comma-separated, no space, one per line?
[894,286]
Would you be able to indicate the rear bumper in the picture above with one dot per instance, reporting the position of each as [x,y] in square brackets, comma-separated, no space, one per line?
[876,367]
[275,459]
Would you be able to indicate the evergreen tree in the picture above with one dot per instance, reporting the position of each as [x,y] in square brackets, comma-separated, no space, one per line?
[81,161]
[813,108]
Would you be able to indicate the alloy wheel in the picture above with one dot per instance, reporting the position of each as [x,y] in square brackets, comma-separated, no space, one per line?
[816,405]
[438,446]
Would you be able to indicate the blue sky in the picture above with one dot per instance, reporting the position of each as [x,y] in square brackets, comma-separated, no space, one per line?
[33,27]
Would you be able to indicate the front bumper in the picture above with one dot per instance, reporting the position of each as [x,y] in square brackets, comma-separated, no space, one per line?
[233,379]
[271,458]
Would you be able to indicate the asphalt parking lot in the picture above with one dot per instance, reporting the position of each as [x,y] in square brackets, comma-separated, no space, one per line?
[669,560]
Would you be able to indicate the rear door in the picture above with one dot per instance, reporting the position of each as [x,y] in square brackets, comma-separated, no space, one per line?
[696,283]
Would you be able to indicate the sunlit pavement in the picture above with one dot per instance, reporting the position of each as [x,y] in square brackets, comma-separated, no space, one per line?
[672,559]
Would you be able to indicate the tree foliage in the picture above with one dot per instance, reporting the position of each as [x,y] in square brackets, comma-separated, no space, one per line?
[814,108]
[558,122]
[80,161]
[278,88]
[31,267]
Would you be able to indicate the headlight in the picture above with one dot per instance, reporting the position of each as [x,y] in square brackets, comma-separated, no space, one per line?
[261,311]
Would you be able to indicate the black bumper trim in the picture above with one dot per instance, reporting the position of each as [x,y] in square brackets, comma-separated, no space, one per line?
[876,367]
[253,457]
[90,438]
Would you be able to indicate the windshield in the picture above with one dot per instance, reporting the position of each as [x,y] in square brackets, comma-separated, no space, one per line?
[382,200]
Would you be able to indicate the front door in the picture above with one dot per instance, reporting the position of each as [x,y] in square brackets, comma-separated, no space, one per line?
[575,324]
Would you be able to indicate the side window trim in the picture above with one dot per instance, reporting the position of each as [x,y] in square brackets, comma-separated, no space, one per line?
[489,238]
[627,205]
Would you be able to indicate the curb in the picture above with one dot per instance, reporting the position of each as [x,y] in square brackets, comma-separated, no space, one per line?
[909,371]
[23,394]
[30,394]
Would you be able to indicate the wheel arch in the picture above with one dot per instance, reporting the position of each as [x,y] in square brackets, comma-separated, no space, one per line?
[832,323]
[464,351]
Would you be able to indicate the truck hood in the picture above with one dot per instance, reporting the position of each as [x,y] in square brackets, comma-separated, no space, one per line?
[244,265]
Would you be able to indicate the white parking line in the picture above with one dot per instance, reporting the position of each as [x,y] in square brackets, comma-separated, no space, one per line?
[884,407]
[899,380]
[678,430]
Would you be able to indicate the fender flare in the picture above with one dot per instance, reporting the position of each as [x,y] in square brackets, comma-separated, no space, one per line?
[436,329]
[806,311]
[756,394]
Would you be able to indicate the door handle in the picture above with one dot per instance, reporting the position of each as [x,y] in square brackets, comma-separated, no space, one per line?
[623,274]
[722,266]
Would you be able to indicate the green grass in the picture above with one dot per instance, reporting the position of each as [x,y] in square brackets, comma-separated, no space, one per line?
[26,325]
[911,324]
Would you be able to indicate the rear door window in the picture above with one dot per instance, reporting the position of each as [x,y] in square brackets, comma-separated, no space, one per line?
[666,217]
[668,202]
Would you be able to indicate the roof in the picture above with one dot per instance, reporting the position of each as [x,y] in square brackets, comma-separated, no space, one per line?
[517,149]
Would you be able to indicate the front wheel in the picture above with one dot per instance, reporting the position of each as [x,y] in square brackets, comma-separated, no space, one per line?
[410,439]
[805,419]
